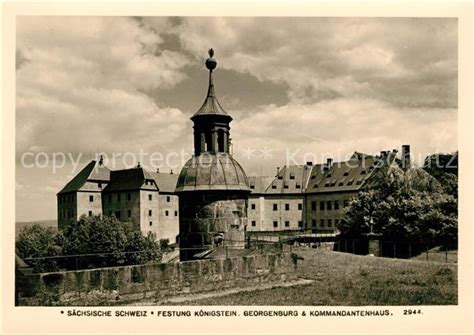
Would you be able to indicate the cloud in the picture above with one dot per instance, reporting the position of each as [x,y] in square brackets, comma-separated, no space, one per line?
[84,85]
[402,61]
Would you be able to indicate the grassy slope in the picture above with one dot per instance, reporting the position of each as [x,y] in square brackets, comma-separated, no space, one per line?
[349,280]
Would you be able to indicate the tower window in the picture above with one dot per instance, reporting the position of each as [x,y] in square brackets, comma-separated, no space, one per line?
[252,206]
[150,212]
[275,224]
[167,213]
[151,223]
[150,197]
[287,207]
[220,140]
[168,198]
[254,223]
[175,213]
[90,213]
[275,207]
[300,206]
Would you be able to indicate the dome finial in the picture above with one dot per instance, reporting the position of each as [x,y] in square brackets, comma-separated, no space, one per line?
[211,62]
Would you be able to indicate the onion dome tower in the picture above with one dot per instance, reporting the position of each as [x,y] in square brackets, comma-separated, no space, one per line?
[212,186]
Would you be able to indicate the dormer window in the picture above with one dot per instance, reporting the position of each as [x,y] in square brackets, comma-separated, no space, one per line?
[329,176]
[252,187]
[346,173]
[280,177]
[298,186]
[274,186]
[292,176]
[285,186]
[363,172]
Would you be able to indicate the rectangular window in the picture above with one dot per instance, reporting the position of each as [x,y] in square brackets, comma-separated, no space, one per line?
[321,223]
[150,212]
[329,223]
[90,213]
[300,206]
[175,213]
[151,223]
[168,198]
[129,213]
[129,196]
[274,186]
[336,204]
[285,186]
[275,224]
[329,205]
[252,206]
[150,197]
[292,176]
[313,223]
[91,198]
[300,224]
[275,207]
[287,224]
[99,185]
[252,187]
[298,186]
[287,207]
[167,213]
[313,205]
[254,223]
[321,205]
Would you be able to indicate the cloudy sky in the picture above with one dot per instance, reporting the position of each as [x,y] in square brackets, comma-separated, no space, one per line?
[298,89]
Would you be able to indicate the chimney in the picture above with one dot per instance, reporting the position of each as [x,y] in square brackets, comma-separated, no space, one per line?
[157,170]
[278,170]
[101,160]
[138,165]
[171,172]
[406,159]
[329,162]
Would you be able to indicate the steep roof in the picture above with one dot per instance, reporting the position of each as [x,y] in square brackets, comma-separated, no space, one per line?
[211,105]
[93,171]
[166,181]
[346,176]
[130,180]
[290,180]
[258,184]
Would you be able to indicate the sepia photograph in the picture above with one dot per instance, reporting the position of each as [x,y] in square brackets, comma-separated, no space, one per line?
[236,161]
[271,168]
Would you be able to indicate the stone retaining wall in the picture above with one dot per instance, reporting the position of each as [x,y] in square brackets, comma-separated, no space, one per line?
[122,285]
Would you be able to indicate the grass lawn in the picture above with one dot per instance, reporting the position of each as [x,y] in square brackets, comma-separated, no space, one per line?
[342,279]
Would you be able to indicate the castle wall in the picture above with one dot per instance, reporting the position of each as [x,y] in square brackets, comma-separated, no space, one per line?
[208,220]
[152,282]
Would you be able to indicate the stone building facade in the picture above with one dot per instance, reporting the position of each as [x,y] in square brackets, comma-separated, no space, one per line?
[212,186]
[146,199]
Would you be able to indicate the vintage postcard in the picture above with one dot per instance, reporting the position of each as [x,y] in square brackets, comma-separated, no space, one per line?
[266,168]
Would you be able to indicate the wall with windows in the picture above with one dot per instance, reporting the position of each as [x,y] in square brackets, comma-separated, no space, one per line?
[275,212]
[125,205]
[67,209]
[168,217]
[324,210]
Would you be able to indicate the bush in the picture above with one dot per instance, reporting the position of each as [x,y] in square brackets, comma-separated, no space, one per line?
[37,241]
[91,242]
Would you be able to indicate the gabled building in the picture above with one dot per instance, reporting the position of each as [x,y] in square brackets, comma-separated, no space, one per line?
[146,199]
[82,195]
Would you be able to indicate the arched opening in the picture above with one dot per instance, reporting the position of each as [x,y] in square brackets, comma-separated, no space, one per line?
[220,140]
[208,141]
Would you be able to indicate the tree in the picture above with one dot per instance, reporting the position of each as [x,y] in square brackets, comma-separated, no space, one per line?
[106,241]
[40,242]
[90,242]
[404,206]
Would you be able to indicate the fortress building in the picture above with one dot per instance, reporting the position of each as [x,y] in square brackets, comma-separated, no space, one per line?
[212,186]
[146,199]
